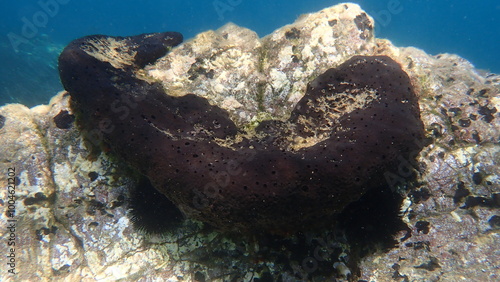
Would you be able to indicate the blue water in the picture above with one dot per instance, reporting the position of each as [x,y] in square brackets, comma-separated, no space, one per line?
[34,32]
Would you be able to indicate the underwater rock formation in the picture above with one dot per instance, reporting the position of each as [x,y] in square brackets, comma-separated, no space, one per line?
[349,128]
[72,206]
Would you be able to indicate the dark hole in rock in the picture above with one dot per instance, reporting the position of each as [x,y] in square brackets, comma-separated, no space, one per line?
[461,192]
[396,275]
[62,270]
[477,178]
[493,202]
[210,74]
[93,175]
[422,226]
[37,199]
[292,34]
[487,113]
[494,221]
[264,277]
[476,137]
[464,122]
[120,200]
[437,129]
[482,92]
[455,111]
[421,195]
[44,231]
[362,22]
[94,206]
[64,120]
[2,121]
[199,277]
[419,245]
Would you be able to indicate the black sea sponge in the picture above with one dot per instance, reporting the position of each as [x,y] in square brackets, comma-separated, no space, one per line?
[351,126]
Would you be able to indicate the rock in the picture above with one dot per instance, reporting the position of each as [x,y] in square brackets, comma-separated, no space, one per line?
[255,78]
[72,225]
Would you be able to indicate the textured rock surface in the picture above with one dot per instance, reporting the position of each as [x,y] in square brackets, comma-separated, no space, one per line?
[71,205]
[255,78]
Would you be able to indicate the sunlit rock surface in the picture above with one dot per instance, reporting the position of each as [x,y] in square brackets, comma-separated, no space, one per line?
[71,205]
[261,77]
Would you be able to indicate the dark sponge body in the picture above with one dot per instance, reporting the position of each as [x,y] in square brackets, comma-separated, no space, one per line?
[349,128]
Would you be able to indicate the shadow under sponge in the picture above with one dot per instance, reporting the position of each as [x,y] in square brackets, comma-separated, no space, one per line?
[351,126]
